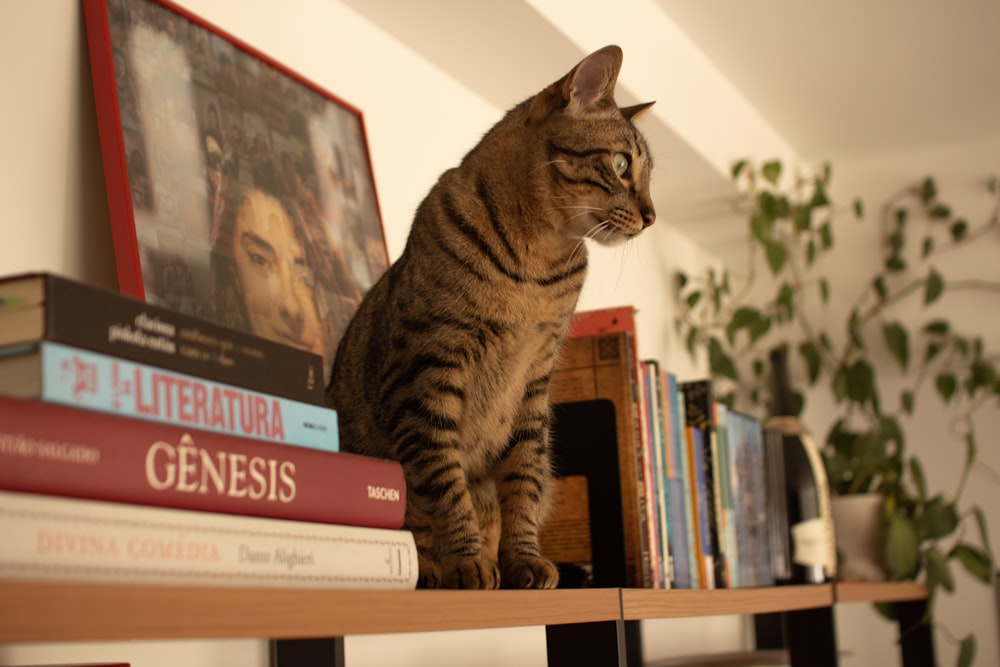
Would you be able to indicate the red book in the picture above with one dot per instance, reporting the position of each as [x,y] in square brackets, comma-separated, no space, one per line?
[58,450]
[603,321]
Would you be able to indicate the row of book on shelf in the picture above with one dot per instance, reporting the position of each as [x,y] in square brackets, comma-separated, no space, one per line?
[661,486]
[138,444]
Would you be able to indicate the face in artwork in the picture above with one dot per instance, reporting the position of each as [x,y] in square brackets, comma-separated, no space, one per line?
[273,270]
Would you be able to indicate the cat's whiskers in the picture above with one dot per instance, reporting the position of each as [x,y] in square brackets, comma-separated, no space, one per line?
[546,164]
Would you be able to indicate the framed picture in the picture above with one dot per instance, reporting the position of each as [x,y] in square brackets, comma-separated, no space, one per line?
[239,192]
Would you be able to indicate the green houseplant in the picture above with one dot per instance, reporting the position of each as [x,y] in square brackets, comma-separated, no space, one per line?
[783,299]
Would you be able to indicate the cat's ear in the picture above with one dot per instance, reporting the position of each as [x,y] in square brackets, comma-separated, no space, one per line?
[635,110]
[588,87]
[591,84]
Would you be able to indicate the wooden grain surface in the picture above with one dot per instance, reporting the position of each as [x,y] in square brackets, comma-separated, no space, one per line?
[52,612]
[640,603]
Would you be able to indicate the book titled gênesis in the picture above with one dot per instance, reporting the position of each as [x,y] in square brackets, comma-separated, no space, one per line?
[45,306]
[56,450]
[58,373]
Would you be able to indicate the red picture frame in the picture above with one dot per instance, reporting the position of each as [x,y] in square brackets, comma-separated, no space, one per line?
[238,191]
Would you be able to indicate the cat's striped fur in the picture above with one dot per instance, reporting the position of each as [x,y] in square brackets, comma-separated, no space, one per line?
[446,365]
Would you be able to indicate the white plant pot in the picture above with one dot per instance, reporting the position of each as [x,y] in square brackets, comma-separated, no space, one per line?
[859,529]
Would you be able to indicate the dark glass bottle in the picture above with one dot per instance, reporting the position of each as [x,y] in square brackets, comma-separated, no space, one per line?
[807,496]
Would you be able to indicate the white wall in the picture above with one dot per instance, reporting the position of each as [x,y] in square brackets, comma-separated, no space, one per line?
[419,122]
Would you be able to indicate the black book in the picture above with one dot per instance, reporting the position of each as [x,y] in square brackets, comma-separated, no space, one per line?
[45,306]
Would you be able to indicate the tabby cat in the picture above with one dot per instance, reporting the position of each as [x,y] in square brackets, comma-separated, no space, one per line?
[446,365]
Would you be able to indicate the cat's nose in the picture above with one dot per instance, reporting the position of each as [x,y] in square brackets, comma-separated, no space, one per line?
[648,217]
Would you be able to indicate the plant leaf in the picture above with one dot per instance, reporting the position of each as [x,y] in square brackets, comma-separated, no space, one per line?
[934,287]
[719,362]
[967,652]
[959,229]
[760,227]
[938,571]
[738,166]
[880,288]
[693,298]
[744,316]
[771,171]
[826,235]
[901,544]
[692,340]
[928,247]
[976,561]
[946,385]
[859,209]
[898,341]
[938,519]
[810,354]
[802,217]
[928,190]
[940,212]
[906,399]
[887,610]
[776,255]
[937,327]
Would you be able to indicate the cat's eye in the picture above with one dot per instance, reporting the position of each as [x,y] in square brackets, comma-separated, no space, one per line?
[620,162]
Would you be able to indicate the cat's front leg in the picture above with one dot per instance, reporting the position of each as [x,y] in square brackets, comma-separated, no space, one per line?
[455,556]
[523,487]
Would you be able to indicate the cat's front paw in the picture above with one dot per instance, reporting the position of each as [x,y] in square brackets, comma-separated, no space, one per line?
[530,572]
[471,573]
[429,574]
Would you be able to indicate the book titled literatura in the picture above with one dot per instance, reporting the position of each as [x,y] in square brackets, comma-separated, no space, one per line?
[44,306]
[63,539]
[62,374]
[59,450]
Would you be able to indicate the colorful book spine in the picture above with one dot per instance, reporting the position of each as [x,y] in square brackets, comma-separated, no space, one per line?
[676,496]
[56,450]
[657,437]
[699,411]
[95,381]
[701,501]
[64,539]
[73,313]
[683,454]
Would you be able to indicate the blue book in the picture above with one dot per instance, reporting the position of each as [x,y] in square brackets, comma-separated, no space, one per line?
[73,376]
[683,457]
[703,507]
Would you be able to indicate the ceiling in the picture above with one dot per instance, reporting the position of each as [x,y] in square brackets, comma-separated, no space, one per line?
[796,79]
[856,78]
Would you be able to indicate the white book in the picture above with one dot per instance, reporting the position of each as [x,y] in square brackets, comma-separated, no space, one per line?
[53,538]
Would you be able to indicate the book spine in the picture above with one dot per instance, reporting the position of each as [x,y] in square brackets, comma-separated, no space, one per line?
[56,450]
[683,453]
[61,539]
[95,381]
[102,321]
[661,504]
[700,414]
[700,500]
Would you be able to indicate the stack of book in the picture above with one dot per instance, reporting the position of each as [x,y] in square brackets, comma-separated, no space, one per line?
[140,445]
[683,500]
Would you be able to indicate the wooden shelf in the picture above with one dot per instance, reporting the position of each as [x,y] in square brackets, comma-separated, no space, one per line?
[638,603]
[31,611]
[892,591]
[66,612]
